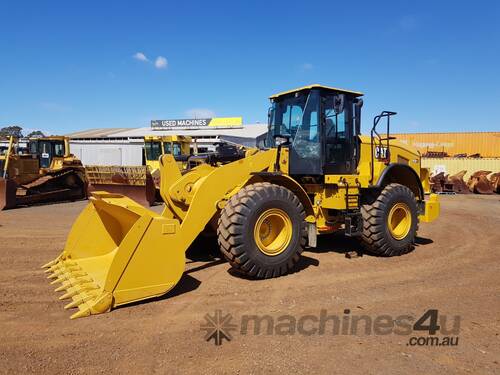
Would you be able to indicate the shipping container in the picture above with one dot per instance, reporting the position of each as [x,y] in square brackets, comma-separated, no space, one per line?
[487,144]
[452,166]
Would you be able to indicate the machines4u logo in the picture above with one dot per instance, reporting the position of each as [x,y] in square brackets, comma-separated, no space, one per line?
[430,329]
[218,327]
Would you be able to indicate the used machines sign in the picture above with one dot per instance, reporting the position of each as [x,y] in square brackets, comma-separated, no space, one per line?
[199,123]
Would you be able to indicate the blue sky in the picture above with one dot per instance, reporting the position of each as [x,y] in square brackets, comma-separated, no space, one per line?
[72,65]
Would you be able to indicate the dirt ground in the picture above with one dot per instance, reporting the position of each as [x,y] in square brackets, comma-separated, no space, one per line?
[455,269]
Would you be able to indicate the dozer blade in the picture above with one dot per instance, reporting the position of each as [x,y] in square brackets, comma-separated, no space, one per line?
[117,252]
[7,193]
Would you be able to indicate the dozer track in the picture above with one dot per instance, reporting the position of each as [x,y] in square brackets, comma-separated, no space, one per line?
[62,185]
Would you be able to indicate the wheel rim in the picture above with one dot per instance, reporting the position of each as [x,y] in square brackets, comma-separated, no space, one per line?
[273,231]
[399,221]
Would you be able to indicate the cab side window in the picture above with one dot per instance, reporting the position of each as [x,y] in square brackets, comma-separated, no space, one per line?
[59,149]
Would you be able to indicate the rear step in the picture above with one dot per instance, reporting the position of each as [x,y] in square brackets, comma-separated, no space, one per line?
[353,224]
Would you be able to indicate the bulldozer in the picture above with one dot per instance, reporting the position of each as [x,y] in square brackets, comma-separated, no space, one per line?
[316,174]
[141,183]
[47,173]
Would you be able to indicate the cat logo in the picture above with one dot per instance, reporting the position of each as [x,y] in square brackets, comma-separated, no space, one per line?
[381,152]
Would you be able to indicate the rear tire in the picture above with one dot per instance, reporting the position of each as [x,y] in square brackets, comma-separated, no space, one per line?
[262,231]
[390,223]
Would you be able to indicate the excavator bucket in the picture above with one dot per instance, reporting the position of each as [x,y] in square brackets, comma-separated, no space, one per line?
[114,255]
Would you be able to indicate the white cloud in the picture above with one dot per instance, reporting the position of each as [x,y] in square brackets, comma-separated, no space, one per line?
[140,56]
[307,66]
[200,113]
[161,62]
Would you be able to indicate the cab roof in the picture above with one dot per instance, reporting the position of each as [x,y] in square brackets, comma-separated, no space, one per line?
[316,86]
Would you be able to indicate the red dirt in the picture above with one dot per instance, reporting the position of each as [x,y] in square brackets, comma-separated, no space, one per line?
[455,269]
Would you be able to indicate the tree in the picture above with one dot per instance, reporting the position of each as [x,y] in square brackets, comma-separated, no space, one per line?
[13,130]
[36,134]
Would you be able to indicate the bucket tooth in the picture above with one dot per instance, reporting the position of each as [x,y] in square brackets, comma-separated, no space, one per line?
[72,281]
[68,294]
[80,299]
[65,285]
[83,287]
[81,314]
[51,263]
[58,280]
[72,304]
[61,288]
[66,275]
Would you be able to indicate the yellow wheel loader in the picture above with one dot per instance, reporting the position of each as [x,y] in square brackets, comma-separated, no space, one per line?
[48,173]
[141,183]
[316,175]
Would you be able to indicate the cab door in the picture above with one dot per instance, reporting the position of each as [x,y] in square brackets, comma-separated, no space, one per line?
[305,149]
[339,136]
[46,153]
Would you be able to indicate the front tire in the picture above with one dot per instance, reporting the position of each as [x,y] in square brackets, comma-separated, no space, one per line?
[262,231]
[390,223]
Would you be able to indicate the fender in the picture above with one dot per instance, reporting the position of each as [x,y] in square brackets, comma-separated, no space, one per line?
[401,173]
[287,182]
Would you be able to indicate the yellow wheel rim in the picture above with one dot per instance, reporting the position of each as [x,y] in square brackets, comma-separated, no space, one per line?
[399,221]
[273,231]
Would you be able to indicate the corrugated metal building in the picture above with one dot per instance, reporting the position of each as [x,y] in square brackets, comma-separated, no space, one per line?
[487,144]
[124,146]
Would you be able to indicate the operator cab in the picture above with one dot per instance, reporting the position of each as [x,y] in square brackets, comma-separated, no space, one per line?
[45,149]
[156,147]
[320,127]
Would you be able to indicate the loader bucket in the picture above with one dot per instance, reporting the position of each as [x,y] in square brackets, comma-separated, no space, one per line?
[459,185]
[7,193]
[117,252]
[134,182]
[495,182]
[478,183]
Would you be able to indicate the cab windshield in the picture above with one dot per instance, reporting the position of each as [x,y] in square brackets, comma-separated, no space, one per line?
[58,148]
[153,150]
[173,148]
[167,147]
[176,151]
[296,117]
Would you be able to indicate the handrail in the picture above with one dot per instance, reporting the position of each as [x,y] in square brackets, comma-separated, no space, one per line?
[376,120]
